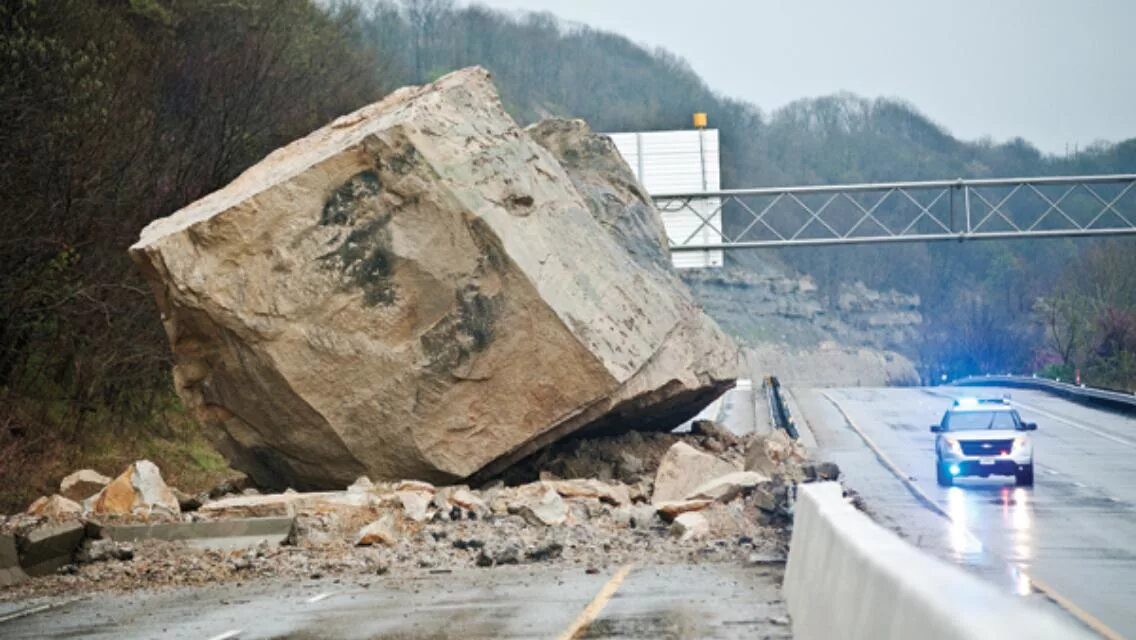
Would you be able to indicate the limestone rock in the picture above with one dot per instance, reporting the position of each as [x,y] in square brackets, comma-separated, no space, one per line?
[384,531]
[670,510]
[613,494]
[362,484]
[464,498]
[415,504]
[690,526]
[776,453]
[548,509]
[82,484]
[55,507]
[727,487]
[139,490]
[683,469]
[420,290]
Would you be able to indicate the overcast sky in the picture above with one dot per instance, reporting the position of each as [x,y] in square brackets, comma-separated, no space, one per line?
[1054,72]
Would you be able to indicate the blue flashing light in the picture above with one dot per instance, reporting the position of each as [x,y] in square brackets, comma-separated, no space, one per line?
[955,470]
[967,402]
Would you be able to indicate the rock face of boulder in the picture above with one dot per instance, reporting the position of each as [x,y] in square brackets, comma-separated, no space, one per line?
[421,290]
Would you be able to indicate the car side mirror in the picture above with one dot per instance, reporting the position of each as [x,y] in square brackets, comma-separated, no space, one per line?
[1029,426]
[936,428]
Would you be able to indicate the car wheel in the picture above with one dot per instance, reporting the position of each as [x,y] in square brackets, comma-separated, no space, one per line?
[944,478]
[1024,478]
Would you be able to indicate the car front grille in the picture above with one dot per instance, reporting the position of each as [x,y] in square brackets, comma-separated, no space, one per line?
[986,447]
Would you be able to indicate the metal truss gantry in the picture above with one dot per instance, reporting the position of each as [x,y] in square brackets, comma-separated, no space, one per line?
[903,212]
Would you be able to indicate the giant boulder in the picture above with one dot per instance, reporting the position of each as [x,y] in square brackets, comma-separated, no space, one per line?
[419,289]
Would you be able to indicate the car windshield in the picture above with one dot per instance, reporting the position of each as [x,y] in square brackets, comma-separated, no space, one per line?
[977,420]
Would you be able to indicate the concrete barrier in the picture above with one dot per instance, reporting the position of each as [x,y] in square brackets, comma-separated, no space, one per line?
[45,549]
[219,534]
[10,570]
[848,577]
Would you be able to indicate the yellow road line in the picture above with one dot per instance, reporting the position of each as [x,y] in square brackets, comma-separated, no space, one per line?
[597,604]
[1085,617]
[1065,603]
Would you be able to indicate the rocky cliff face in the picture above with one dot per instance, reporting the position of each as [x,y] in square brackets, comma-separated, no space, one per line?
[861,336]
[421,290]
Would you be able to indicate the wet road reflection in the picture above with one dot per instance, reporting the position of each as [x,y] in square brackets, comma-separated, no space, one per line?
[966,546]
[1071,537]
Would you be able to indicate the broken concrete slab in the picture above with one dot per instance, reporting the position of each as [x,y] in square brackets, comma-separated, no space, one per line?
[684,469]
[237,533]
[381,298]
[11,573]
[290,504]
[45,549]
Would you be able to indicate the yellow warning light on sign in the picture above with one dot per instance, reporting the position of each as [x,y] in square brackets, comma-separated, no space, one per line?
[700,120]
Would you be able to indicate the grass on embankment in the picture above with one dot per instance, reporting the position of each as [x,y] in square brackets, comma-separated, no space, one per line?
[40,445]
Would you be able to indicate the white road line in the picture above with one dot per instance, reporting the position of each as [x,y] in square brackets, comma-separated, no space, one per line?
[318,598]
[25,612]
[15,615]
[228,635]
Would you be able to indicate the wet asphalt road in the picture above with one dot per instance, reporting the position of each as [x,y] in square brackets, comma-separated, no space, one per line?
[1073,534]
[697,601]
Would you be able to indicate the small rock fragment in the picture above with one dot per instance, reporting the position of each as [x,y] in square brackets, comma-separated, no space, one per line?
[82,484]
[382,531]
[362,484]
[683,469]
[548,510]
[415,504]
[55,507]
[727,487]
[671,510]
[690,526]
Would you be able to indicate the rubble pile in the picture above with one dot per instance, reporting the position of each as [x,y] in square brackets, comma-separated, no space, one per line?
[703,496]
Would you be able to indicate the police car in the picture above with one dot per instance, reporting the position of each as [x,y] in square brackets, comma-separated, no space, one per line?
[983,437]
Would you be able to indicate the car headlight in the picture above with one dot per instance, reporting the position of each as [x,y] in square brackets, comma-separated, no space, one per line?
[1021,442]
[954,445]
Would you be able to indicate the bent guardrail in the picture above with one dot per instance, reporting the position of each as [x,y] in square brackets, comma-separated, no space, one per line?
[1114,400]
[779,408]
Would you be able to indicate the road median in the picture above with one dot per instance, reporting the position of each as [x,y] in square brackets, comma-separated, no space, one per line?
[848,577]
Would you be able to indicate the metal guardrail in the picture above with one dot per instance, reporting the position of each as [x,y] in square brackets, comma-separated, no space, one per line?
[905,212]
[1116,400]
[779,409]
